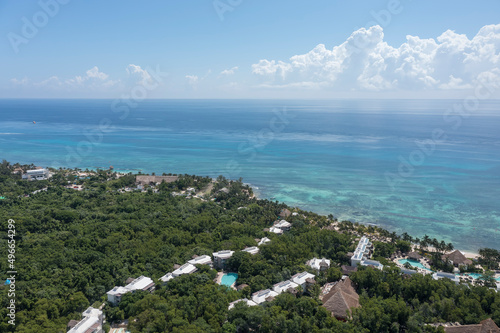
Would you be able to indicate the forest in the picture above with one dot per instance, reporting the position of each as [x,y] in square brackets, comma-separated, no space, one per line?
[74,246]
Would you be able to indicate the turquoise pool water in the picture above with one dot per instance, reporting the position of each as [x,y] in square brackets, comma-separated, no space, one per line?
[477,276]
[228,279]
[414,263]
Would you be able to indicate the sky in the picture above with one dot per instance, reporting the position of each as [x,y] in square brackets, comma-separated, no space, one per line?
[249,49]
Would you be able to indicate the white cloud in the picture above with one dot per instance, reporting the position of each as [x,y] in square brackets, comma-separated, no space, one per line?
[366,62]
[228,72]
[142,75]
[192,79]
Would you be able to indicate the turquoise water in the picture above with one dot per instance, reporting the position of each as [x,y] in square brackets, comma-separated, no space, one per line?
[414,263]
[477,276]
[228,279]
[369,161]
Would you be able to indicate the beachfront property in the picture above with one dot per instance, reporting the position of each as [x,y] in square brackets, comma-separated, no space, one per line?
[201,260]
[262,296]
[283,225]
[284,286]
[362,250]
[141,283]
[263,241]
[38,174]
[92,321]
[319,264]
[304,279]
[252,250]
[154,180]
[221,257]
[443,275]
[456,258]
[247,301]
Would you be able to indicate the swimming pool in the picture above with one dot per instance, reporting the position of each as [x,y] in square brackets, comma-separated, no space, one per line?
[228,279]
[414,263]
[477,276]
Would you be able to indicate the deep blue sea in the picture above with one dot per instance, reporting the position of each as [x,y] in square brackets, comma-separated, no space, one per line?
[407,165]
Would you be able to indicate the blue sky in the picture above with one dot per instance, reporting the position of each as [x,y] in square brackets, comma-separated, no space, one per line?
[259,49]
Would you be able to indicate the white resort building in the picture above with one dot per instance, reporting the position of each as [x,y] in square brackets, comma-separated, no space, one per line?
[201,260]
[284,286]
[221,257]
[263,296]
[263,241]
[91,322]
[37,174]
[184,269]
[319,264]
[141,283]
[251,250]
[443,275]
[304,279]
[247,301]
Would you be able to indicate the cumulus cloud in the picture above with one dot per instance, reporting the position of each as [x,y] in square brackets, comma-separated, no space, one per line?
[142,75]
[366,62]
[192,79]
[228,72]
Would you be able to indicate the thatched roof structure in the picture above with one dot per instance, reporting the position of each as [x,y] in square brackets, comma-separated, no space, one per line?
[414,255]
[457,258]
[341,299]
[486,326]
[348,270]
[285,213]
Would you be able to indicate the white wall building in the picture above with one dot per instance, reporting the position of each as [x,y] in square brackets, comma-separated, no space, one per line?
[141,283]
[262,295]
[443,275]
[362,251]
[264,241]
[284,286]
[301,279]
[247,301]
[319,264]
[91,322]
[221,257]
[38,174]
[201,260]
[251,250]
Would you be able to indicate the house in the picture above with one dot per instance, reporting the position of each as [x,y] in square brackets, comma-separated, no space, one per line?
[319,264]
[201,260]
[91,322]
[275,230]
[141,283]
[284,286]
[283,225]
[263,296]
[443,275]
[486,326]
[374,263]
[221,257]
[304,279]
[341,299]
[263,241]
[457,259]
[167,277]
[348,270]
[184,269]
[251,250]
[153,180]
[38,174]
[247,301]
[285,213]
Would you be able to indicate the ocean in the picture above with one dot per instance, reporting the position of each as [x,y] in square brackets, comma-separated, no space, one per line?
[416,166]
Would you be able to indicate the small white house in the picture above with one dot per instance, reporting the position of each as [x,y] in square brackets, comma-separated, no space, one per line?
[264,241]
[263,295]
[247,301]
[284,286]
[141,283]
[301,279]
[37,174]
[374,263]
[91,322]
[184,269]
[319,264]
[283,225]
[251,250]
[201,260]
[275,230]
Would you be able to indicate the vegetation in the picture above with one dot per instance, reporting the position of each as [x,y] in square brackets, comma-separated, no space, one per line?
[74,246]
